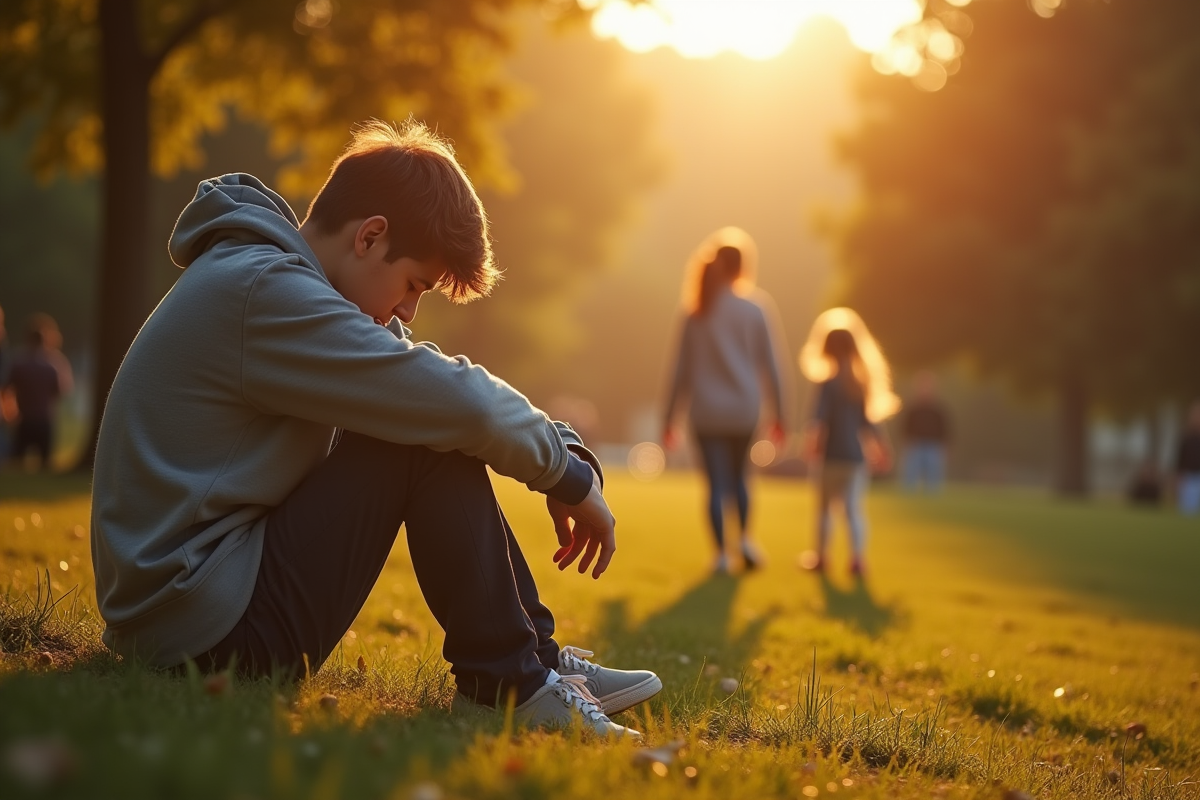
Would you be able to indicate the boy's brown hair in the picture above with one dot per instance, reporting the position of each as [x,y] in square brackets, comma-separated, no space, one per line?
[409,175]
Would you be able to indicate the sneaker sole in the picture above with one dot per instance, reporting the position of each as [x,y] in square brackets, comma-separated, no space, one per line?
[625,699]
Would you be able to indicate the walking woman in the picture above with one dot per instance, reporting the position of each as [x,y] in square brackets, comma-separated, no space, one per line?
[726,358]
[843,437]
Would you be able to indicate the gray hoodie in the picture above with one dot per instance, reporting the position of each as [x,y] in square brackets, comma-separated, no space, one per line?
[230,395]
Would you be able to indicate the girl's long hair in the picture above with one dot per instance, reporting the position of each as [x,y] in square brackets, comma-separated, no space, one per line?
[840,334]
[727,256]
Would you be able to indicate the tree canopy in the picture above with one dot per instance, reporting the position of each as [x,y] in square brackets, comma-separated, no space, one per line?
[1031,216]
[306,71]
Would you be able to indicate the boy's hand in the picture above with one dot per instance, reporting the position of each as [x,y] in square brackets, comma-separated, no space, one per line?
[586,528]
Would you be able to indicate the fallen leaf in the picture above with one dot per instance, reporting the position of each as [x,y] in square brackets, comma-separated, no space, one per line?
[218,684]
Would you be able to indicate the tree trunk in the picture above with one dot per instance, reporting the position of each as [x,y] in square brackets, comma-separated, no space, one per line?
[125,280]
[1073,436]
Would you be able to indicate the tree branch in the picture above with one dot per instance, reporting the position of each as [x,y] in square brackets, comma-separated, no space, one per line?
[201,14]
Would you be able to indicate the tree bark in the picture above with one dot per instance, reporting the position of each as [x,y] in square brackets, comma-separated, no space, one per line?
[125,280]
[1073,460]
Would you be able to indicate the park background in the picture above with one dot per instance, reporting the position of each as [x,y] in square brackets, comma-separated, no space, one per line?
[1006,189]
[603,168]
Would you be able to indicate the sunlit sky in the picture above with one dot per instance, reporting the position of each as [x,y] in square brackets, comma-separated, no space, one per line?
[757,29]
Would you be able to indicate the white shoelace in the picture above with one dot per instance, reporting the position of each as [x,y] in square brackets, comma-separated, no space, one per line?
[572,690]
[577,658]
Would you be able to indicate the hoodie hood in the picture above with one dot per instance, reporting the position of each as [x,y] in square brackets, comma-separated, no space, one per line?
[236,206]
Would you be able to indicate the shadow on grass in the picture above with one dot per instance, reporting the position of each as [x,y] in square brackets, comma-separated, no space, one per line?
[695,625]
[44,487]
[856,607]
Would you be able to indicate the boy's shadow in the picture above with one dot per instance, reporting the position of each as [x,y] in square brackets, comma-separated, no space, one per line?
[856,606]
[695,625]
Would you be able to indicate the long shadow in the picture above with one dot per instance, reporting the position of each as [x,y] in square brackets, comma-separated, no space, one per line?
[693,628]
[856,606]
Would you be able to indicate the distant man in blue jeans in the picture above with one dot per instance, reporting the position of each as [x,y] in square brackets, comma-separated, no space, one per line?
[273,425]
[926,433]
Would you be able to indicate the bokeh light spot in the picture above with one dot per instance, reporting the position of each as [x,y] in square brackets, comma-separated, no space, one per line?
[647,461]
[762,453]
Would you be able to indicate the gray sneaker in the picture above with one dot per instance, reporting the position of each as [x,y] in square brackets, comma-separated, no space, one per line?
[565,701]
[615,689]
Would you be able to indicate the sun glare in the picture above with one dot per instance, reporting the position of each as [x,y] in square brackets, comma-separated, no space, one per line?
[757,29]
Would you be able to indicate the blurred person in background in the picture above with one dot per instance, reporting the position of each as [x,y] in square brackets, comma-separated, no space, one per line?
[926,427]
[854,394]
[39,376]
[727,356]
[1187,464]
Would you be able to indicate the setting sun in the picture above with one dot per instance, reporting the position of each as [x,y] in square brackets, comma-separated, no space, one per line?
[757,29]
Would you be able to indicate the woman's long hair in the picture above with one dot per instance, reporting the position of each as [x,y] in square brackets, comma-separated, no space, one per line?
[839,336]
[726,257]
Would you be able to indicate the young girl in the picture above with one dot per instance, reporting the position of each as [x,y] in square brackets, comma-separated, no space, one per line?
[726,356]
[854,394]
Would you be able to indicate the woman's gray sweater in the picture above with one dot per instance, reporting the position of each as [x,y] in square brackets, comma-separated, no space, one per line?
[725,357]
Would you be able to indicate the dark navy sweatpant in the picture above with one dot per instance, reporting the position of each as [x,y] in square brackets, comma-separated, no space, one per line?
[327,543]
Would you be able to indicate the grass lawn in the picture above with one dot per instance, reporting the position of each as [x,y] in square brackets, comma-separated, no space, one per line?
[1004,645]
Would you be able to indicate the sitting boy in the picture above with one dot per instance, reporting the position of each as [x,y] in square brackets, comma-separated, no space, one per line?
[272,426]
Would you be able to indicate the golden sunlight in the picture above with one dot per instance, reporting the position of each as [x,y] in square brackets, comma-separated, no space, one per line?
[757,29]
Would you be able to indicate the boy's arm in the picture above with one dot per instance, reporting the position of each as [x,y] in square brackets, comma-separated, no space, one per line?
[573,440]
[309,353]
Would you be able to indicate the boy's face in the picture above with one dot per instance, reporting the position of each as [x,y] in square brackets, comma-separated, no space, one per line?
[381,288]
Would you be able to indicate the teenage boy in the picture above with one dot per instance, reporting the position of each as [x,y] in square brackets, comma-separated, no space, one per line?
[273,424]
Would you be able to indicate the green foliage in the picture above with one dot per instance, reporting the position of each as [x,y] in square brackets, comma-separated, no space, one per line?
[308,72]
[1031,216]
